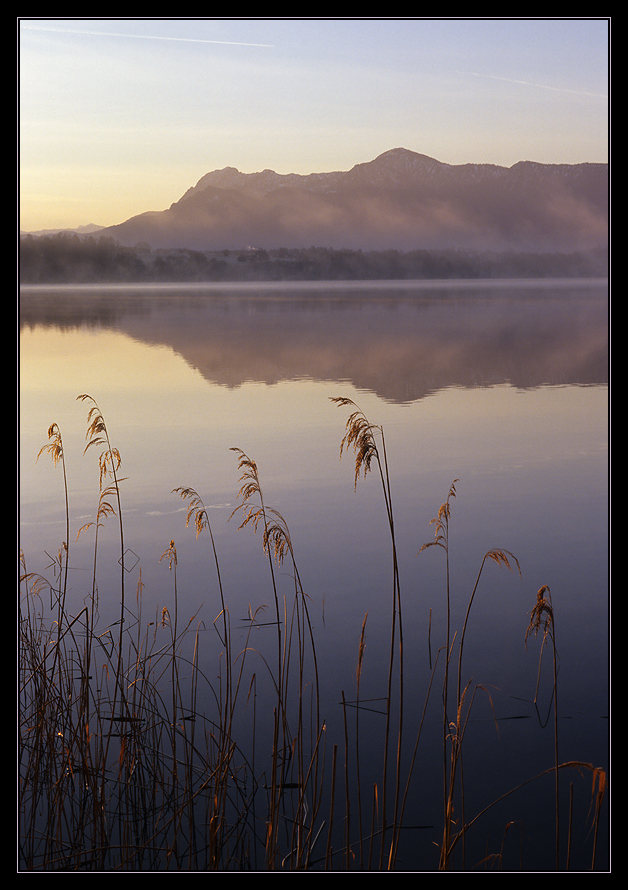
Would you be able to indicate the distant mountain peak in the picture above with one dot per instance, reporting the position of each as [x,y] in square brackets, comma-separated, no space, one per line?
[397,165]
[405,157]
[260,182]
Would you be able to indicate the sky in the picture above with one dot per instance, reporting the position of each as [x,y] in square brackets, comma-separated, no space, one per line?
[121,116]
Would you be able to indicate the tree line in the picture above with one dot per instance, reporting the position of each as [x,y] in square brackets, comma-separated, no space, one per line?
[69,258]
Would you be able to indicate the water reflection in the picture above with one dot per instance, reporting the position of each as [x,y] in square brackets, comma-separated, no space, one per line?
[399,342]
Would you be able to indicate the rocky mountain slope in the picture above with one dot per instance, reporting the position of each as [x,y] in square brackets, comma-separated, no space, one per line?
[400,200]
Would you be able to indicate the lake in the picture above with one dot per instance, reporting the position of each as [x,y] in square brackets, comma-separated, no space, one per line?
[499,385]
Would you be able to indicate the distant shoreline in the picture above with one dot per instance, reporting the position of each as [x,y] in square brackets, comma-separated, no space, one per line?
[346,285]
[72,259]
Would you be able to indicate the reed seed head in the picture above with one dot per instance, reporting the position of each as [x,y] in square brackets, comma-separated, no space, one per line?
[441,521]
[361,436]
[542,615]
[502,558]
[55,446]
[196,513]
[170,553]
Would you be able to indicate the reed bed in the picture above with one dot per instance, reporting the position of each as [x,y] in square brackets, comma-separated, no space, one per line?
[132,757]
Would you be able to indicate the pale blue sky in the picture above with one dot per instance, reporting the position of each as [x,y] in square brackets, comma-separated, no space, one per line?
[121,116]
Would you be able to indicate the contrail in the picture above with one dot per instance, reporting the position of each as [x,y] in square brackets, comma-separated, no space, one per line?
[150,37]
[539,86]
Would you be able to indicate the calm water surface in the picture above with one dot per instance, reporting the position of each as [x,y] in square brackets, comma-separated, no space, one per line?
[500,385]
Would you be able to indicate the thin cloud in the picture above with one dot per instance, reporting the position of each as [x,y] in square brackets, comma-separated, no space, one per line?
[149,37]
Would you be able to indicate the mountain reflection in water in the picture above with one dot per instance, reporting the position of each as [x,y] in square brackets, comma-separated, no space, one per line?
[401,340]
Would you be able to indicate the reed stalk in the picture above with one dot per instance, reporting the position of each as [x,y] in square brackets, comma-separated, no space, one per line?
[542,618]
[291,752]
[368,443]
[454,729]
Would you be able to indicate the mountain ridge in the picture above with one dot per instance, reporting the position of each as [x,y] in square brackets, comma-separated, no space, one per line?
[387,167]
[399,200]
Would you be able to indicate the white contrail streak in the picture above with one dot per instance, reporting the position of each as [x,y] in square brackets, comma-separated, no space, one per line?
[149,37]
[538,86]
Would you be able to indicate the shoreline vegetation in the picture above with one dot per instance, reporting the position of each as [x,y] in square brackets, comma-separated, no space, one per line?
[133,758]
[70,258]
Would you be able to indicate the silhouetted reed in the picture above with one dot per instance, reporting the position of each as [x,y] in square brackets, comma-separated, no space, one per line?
[133,759]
